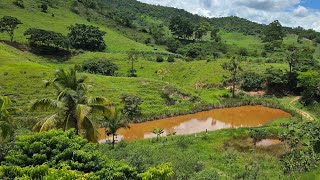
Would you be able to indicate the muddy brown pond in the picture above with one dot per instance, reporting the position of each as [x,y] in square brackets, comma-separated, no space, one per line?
[245,116]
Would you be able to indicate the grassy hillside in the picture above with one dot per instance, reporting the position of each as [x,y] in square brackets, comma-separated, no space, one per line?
[31,16]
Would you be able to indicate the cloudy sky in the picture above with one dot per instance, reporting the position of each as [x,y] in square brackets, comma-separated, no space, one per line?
[292,13]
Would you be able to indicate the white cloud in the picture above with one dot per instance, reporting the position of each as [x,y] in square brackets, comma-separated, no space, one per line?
[288,12]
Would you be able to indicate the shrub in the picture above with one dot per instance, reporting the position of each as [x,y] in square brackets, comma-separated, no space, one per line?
[258,135]
[100,66]
[161,172]
[47,41]
[86,37]
[56,149]
[19,3]
[252,81]
[131,106]
[243,52]
[44,8]
[173,45]
[170,59]
[160,59]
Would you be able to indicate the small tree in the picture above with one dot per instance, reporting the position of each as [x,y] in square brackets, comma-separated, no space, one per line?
[9,24]
[158,132]
[160,59]
[258,135]
[173,45]
[292,57]
[6,126]
[252,81]
[214,35]
[170,59]
[131,106]
[202,30]
[274,32]
[132,56]
[233,66]
[48,40]
[113,124]
[86,37]
[19,3]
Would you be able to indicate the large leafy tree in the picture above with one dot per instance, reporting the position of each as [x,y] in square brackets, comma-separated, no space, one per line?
[5,123]
[274,32]
[48,39]
[181,27]
[9,24]
[86,37]
[233,67]
[73,108]
[202,29]
[114,123]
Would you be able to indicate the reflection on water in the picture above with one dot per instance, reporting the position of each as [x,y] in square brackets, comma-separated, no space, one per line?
[245,116]
[268,142]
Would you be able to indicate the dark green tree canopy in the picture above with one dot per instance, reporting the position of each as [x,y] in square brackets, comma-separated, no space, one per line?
[41,37]
[274,32]
[9,24]
[86,37]
[181,27]
[100,66]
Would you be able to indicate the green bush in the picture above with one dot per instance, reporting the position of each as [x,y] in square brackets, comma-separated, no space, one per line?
[160,59]
[161,172]
[131,106]
[19,3]
[56,149]
[48,41]
[86,37]
[252,81]
[170,59]
[100,66]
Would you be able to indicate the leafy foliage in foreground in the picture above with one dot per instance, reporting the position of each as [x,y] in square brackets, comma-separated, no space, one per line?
[60,154]
[73,108]
[304,143]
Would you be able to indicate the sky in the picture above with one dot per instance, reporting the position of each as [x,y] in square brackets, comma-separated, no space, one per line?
[291,13]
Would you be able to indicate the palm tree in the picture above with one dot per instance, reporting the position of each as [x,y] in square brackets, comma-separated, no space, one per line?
[73,108]
[114,123]
[5,124]
[158,132]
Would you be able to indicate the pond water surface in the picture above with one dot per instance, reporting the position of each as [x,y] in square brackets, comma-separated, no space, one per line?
[245,116]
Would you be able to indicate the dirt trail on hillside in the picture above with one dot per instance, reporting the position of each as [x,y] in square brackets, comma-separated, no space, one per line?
[303,113]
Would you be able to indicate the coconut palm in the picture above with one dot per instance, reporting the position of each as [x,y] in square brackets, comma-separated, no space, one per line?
[73,108]
[114,123]
[158,132]
[5,124]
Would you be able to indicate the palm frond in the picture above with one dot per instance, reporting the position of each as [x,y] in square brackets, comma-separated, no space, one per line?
[82,79]
[89,130]
[82,112]
[46,124]
[99,101]
[104,110]
[45,105]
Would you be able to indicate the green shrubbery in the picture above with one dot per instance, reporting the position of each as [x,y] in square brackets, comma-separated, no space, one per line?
[86,37]
[252,81]
[100,66]
[49,151]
